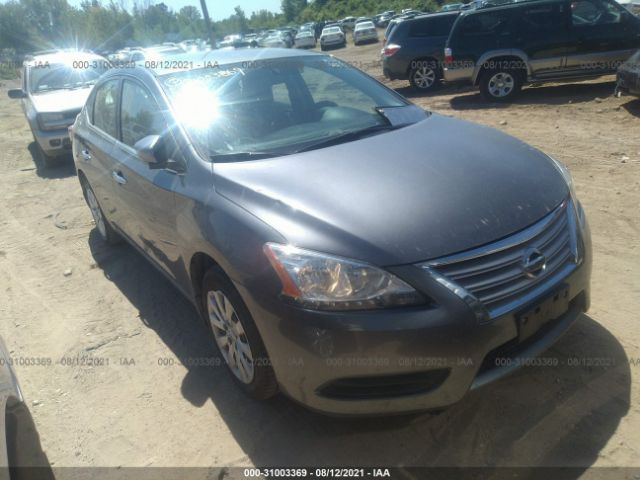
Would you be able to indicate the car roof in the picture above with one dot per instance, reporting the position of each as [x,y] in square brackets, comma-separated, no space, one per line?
[453,13]
[61,57]
[512,5]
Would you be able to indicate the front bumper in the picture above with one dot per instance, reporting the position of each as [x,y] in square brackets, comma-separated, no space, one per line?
[401,360]
[53,142]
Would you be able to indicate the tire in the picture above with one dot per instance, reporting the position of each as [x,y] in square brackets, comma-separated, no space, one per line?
[322,47]
[501,85]
[103,226]
[236,336]
[425,76]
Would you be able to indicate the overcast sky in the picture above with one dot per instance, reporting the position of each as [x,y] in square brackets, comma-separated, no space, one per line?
[218,9]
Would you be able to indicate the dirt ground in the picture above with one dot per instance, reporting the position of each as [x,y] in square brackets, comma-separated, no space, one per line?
[138,405]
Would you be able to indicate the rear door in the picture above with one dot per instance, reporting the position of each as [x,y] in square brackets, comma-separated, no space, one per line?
[146,206]
[603,35]
[542,32]
[96,142]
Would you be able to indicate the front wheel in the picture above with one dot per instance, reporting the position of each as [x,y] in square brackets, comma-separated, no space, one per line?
[425,77]
[236,336]
[501,85]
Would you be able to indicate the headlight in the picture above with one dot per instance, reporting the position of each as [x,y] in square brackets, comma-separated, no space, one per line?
[564,171]
[566,174]
[324,282]
[49,121]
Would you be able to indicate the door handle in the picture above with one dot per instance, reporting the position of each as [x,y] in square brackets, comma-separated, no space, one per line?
[86,155]
[118,177]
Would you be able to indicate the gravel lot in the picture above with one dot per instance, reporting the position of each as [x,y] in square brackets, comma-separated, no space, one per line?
[65,295]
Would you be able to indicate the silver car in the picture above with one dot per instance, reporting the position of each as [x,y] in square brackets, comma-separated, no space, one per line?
[332,37]
[365,32]
[54,89]
[305,39]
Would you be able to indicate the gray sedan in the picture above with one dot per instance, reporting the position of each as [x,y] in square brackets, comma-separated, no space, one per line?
[343,246]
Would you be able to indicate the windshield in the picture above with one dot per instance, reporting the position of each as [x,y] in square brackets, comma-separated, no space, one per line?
[277,106]
[48,77]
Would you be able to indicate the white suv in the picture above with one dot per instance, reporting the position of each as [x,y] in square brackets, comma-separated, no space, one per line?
[54,89]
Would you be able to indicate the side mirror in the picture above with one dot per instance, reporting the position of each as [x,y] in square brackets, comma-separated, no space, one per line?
[16,93]
[149,150]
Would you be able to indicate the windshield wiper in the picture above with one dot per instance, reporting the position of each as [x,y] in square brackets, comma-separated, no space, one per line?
[348,136]
[239,156]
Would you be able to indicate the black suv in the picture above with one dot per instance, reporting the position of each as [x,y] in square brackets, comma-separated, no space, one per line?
[414,50]
[502,48]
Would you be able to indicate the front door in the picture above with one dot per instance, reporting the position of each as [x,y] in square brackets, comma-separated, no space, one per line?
[146,203]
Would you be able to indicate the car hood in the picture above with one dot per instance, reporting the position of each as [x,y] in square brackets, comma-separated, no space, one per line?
[60,100]
[430,189]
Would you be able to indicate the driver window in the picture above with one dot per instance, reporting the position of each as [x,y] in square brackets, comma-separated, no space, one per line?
[141,116]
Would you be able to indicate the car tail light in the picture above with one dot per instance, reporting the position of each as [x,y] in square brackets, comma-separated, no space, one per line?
[448,56]
[390,50]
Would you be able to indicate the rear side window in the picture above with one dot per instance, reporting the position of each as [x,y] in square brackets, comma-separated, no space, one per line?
[543,18]
[141,114]
[486,23]
[432,27]
[594,12]
[105,108]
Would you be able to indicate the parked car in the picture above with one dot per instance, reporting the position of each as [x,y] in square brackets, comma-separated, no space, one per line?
[305,39]
[415,50]
[363,19]
[628,78]
[275,39]
[158,52]
[385,17]
[364,32]
[54,88]
[348,23]
[325,227]
[503,48]
[332,37]
[452,7]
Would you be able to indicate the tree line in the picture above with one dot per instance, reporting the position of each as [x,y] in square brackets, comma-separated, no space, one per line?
[32,25]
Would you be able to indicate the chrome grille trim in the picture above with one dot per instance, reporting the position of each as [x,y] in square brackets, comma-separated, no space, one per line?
[492,275]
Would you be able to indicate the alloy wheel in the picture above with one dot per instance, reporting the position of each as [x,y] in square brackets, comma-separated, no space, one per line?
[501,84]
[230,336]
[424,77]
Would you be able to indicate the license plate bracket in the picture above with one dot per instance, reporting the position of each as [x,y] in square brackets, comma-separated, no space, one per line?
[548,309]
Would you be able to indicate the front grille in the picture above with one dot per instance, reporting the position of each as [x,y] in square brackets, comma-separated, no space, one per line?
[495,274]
